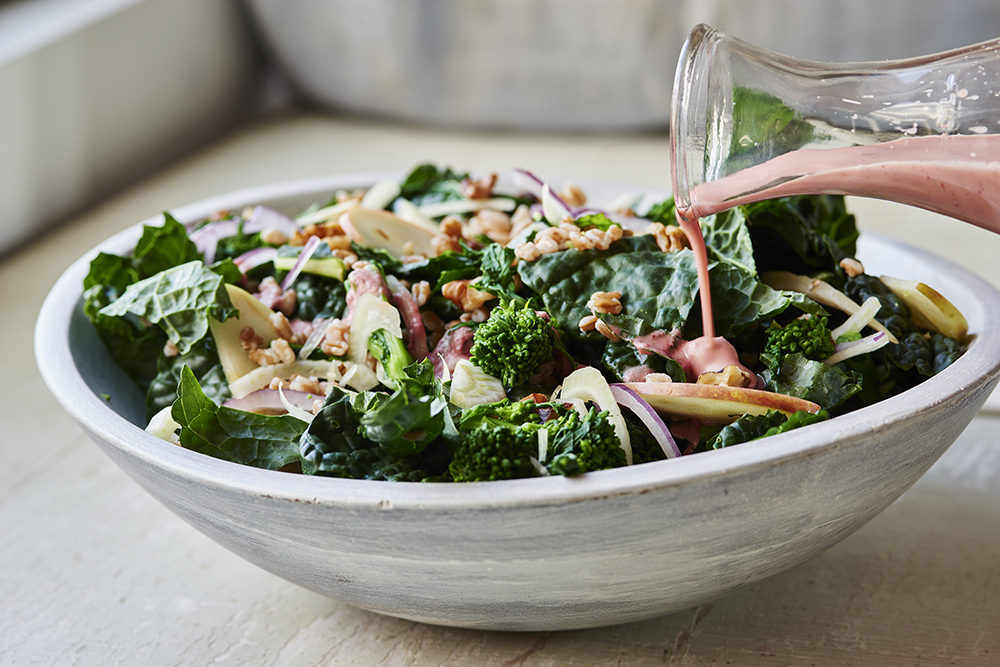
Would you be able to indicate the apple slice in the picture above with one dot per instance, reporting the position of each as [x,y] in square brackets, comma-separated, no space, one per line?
[715,404]
[928,307]
[380,229]
[234,359]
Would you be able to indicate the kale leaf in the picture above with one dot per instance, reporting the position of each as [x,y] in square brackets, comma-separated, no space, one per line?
[262,441]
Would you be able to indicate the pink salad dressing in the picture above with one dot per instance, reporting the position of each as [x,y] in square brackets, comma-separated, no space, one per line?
[956,175]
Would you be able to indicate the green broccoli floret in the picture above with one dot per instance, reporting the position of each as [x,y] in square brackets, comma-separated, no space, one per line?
[513,343]
[808,336]
[493,452]
[578,445]
[497,449]
[392,352]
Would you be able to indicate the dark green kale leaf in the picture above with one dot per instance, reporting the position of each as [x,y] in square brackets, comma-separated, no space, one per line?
[180,300]
[333,444]
[804,235]
[160,248]
[262,441]
[319,296]
[427,184]
[824,384]
[753,427]
[664,212]
[203,360]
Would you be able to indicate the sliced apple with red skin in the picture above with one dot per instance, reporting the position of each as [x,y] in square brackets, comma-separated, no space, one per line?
[928,307]
[375,228]
[234,359]
[715,404]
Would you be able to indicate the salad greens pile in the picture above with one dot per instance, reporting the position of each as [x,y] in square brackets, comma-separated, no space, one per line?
[437,330]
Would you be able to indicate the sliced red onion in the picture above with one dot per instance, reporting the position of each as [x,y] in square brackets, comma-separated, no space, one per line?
[268,401]
[647,415]
[528,182]
[253,258]
[853,348]
[264,217]
[304,256]
[207,238]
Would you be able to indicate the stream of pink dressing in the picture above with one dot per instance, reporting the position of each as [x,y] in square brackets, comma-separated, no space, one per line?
[955,175]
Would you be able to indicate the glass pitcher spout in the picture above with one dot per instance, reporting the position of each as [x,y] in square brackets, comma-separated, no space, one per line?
[749,124]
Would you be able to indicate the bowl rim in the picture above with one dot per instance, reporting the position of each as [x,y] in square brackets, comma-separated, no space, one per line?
[975,369]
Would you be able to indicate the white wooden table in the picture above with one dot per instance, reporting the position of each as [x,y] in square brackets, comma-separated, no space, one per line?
[93,571]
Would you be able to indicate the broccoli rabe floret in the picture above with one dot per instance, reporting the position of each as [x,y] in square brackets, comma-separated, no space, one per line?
[392,352]
[513,343]
[808,336]
[498,449]
[493,452]
[578,445]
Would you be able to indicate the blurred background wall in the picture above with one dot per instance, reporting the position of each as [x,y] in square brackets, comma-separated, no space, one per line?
[95,94]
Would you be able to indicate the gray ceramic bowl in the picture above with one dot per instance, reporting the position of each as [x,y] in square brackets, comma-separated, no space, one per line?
[549,553]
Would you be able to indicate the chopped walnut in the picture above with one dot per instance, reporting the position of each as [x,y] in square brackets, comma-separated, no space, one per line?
[730,376]
[478,188]
[307,385]
[496,225]
[605,302]
[278,353]
[606,331]
[852,267]
[463,294]
[589,323]
[658,377]
[520,219]
[281,325]
[449,236]
[432,321]
[669,238]
[249,339]
[573,195]
[273,236]
[421,292]
[170,350]
[336,340]
[324,230]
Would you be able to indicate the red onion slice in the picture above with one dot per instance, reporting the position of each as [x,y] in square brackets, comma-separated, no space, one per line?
[268,401]
[528,182]
[254,258]
[264,217]
[304,256]
[647,415]
[207,238]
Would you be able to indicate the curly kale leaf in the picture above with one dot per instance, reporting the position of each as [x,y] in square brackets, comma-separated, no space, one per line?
[427,184]
[263,441]
[203,360]
[334,446]
[824,384]
[753,427]
[319,296]
[180,300]
[805,235]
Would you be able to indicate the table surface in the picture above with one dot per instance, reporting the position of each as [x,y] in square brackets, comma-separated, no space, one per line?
[93,571]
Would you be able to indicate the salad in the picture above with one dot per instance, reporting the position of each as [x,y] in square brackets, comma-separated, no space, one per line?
[439,329]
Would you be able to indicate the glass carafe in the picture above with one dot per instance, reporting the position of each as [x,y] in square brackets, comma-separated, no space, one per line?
[748,124]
